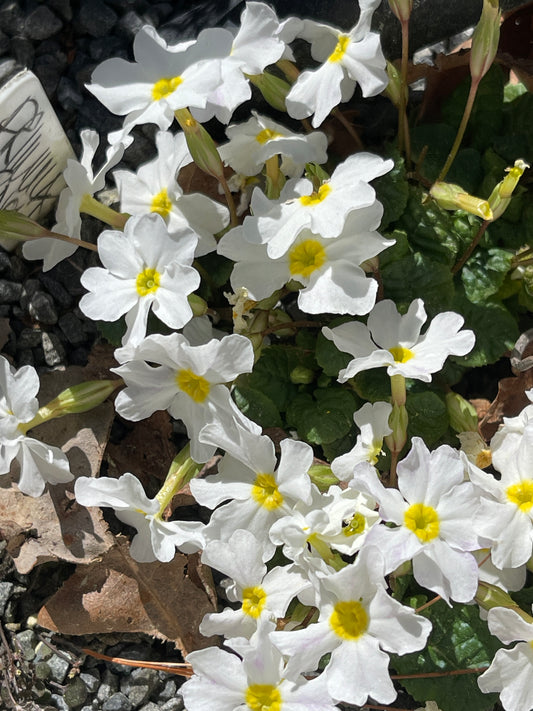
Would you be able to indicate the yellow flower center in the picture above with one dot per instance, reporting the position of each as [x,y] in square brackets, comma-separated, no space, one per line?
[253,601]
[340,49]
[194,385]
[306,257]
[263,697]
[267,134]
[265,491]
[313,199]
[521,494]
[164,87]
[147,281]
[423,521]
[161,203]
[356,525]
[349,620]
[401,354]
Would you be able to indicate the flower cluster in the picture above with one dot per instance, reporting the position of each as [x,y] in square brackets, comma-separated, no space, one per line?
[311,551]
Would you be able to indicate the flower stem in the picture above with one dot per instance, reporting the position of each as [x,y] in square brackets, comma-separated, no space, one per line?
[461,130]
[181,471]
[91,206]
[404,138]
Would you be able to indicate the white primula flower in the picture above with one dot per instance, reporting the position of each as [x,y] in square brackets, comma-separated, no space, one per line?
[252,143]
[257,490]
[506,440]
[161,80]
[155,188]
[348,59]
[255,681]
[512,669]
[156,539]
[432,512]
[82,183]
[188,381]
[505,516]
[392,340]
[277,223]
[358,624]
[328,269]
[260,41]
[373,421]
[143,268]
[260,593]
[39,463]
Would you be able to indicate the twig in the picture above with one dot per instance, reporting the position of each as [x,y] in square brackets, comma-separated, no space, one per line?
[180,668]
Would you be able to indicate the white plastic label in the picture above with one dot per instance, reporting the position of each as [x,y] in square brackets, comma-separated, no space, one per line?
[33,148]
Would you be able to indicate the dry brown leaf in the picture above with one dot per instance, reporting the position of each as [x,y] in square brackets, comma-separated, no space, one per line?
[117,594]
[509,402]
[54,526]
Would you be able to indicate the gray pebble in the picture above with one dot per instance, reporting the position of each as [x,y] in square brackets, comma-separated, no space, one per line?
[72,327]
[108,686]
[27,641]
[75,693]
[29,338]
[58,668]
[62,7]
[4,43]
[60,295]
[91,680]
[59,702]
[42,671]
[96,18]
[41,23]
[11,18]
[117,702]
[175,704]
[5,262]
[10,291]
[6,590]
[53,351]
[29,288]
[68,94]
[41,308]
[168,691]
[22,51]
[129,24]
[25,357]
[150,706]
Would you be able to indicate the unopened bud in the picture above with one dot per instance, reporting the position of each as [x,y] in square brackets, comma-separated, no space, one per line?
[394,87]
[273,88]
[489,596]
[201,146]
[463,415]
[402,9]
[514,174]
[15,225]
[322,476]
[398,423]
[485,39]
[277,317]
[198,305]
[301,375]
[453,197]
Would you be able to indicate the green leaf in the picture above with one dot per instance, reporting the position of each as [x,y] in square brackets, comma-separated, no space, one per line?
[392,191]
[428,417]
[438,137]
[487,113]
[373,385]
[459,640]
[328,357]
[395,251]
[513,91]
[438,234]
[323,417]
[256,405]
[272,373]
[484,273]
[418,276]
[495,328]
[112,331]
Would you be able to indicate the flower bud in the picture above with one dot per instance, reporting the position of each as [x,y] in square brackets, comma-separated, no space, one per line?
[322,476]
[453,197]
[402,9]
[201,146]
[398,423]
[489,596]
[463,415]
[301,375]
[394,87]
[501,195]
[15,225]
[273,88]
[485,39]
[197,304]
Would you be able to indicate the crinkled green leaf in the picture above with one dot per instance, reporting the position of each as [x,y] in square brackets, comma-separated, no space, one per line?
[487,113]
[373,385]
[438,234]
[484,273]
[460,639]
[328,357]
[256,405]
[513,91]
[272,373]
[324,416]
[418,276]
[428,417]
[395,251]
[392,191]
[495,328]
